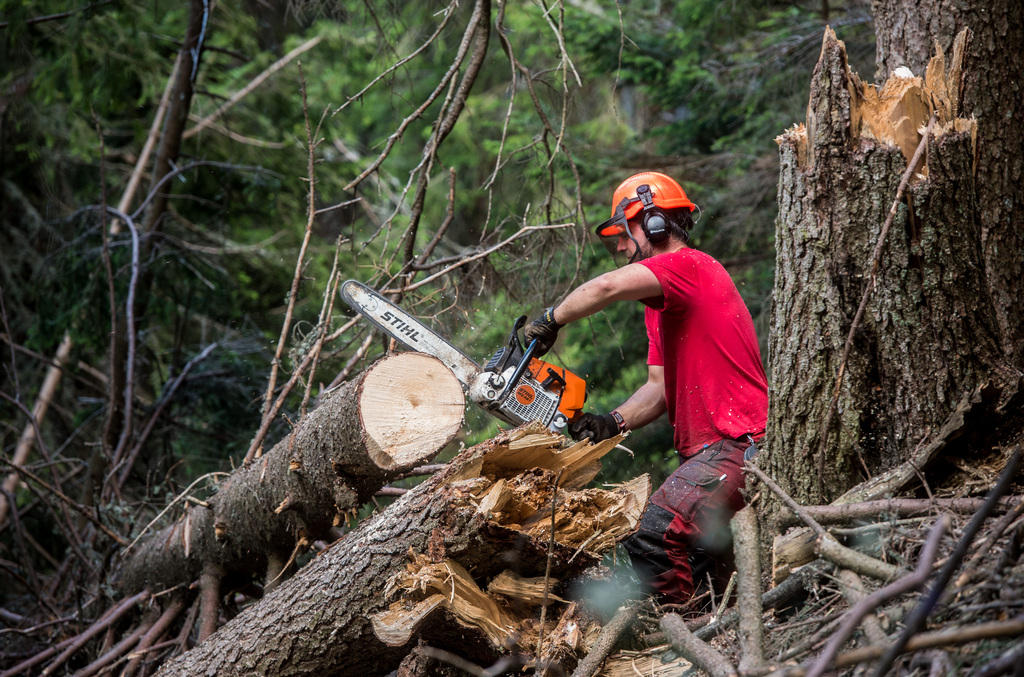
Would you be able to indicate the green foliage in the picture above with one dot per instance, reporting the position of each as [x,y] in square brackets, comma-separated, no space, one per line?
[698,88]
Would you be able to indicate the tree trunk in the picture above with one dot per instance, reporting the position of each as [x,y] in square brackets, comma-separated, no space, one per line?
[366,431]
[928,335]
[482,516]
[993,92]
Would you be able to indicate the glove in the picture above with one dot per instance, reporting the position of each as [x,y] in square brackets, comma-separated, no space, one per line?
[595,426]
[545,330]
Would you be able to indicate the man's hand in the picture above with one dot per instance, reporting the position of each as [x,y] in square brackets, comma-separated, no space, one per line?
[545,330]
[595,426]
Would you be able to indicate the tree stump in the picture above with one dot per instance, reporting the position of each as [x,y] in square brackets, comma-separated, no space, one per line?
[928,336]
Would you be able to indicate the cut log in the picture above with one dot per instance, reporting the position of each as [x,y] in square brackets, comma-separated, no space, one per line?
[399,413]
[420,569]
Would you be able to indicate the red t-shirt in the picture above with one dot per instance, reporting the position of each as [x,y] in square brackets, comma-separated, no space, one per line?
[702,333]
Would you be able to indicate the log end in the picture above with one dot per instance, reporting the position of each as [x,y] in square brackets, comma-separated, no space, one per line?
[410,406]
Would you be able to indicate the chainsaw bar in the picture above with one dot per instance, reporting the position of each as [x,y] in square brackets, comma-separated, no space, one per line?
[407,330]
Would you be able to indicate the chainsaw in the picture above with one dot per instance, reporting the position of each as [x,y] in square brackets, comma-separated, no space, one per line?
[514,386]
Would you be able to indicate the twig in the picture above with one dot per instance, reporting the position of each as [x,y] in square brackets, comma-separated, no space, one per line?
[74,505]
[853,590]
[917,617]
[256,82]
[479,255]
[606,640]
[144,435]
[297,374]
[30,433]
[117,650]
[443,84]
[772,599]
[75,643]
[176,606]
[995,534]
[181,496]
[326,311]
[129,378]
[452,659]
[869,285]
[701,654]
[20,537]
[447,12]
[826,545]
[257,441]
[891,507]
[547,566]
[944,637]
[746,534]
[1009,659]
[911,582]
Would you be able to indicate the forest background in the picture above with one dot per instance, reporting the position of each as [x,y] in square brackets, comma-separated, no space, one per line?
[570,99]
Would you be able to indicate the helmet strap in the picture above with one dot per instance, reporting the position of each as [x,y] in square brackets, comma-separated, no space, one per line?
[636,253]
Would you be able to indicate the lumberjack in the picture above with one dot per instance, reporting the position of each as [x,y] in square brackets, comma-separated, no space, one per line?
[704,369]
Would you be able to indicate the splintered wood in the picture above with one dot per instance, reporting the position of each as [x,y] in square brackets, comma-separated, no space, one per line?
[649,663]
[518,485]
[896,112]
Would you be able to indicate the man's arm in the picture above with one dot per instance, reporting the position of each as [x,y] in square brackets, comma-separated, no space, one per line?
[629,283]
[648,402]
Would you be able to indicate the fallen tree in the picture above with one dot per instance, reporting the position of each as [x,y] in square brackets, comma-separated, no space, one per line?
[368,430]
[476,549]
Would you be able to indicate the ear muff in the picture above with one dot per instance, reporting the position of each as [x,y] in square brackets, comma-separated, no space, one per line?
[654,222]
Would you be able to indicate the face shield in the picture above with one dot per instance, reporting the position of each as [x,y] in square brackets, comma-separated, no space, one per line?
[609,232]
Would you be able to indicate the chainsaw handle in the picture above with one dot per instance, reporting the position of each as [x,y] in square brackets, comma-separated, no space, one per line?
[513,347]
[521,367]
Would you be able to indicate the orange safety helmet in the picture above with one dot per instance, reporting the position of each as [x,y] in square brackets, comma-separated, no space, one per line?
[662,191]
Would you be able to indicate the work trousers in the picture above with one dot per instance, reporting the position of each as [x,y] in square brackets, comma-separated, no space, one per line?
[684,530]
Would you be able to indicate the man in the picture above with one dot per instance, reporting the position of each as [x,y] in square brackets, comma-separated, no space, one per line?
[704,369]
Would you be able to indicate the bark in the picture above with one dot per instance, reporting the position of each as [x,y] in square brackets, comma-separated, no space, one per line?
[322,621]
[178,110]
[368,430]
[928,336]
[993,92]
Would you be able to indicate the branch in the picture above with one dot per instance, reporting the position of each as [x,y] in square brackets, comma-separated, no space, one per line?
[257,442]
[605,642]
[256,82]
[915,621]
[73,644]
[746,534]
[144,435]
[30,433]
[448,13]
[906,584]
[701,654]
[409,119]
[515,236]
[826,545]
